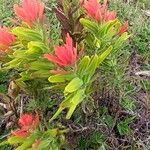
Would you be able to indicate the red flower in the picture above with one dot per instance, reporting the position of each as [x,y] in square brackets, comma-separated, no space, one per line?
[6,39]
[65,55]
[27,124]
[30,11]
[123,28]
[92,8]
[97,11]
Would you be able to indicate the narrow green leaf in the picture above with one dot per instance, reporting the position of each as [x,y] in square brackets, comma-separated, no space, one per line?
[38,45]
[15,140]
[91,26]
[4,143]
[73,85]
[19,53]
[60,78]
[39,64]
[28,142]
[84,63]
[120,41]
[27,34]
[103,56]
[40,74]
[91,68]
[77,98]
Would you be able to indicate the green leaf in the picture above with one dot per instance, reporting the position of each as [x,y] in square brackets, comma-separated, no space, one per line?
[60,78]
[73,85]
[39,64]
[89,40]
[13,64]
[64,104]
[19,53]
[27,34]
[16,140]
[4,143]
[70,102]
[103,56]
[91,68]
[44,144]
[77,98]
[38,45]
[120,41]
[84,63]
[28,142]
[91,26]
[97,137]
[52,132]
[40,74]
[123,128]
[108,26]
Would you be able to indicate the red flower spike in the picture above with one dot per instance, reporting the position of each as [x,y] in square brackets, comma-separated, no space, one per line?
[92,8]
[6,39]
[30,11]
[27,124]
[97,11]
[123,28]
[110,16]
[65,55]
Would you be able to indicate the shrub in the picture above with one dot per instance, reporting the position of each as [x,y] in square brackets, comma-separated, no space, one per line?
[89,36]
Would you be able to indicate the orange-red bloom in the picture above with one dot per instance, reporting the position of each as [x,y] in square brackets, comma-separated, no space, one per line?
[123,28]
[92,8]
[27,123]
[30,11]
[65,55]
[97,11]
[6,39]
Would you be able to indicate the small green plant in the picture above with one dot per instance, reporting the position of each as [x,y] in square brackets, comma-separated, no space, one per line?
[123,126]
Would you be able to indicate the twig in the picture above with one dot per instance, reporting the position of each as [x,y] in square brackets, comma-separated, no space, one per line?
[143,73]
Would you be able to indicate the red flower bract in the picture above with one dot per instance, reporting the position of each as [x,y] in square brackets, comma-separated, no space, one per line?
[6,39]
[123,28]
[97,11]
[30,11]
[92,8]
[27,123]
[65,55]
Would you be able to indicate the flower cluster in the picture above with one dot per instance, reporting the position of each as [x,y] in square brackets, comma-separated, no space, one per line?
[27,123]
[6,39]
[97,11]
[30,11]
[64,56]
[100,13]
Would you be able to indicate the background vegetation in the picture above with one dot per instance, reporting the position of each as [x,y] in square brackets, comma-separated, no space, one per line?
[119,116]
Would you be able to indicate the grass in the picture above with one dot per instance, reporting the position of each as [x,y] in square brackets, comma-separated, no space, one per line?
[119,102]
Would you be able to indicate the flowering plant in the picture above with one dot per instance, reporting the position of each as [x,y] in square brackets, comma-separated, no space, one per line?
[31,138]
[91,34]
